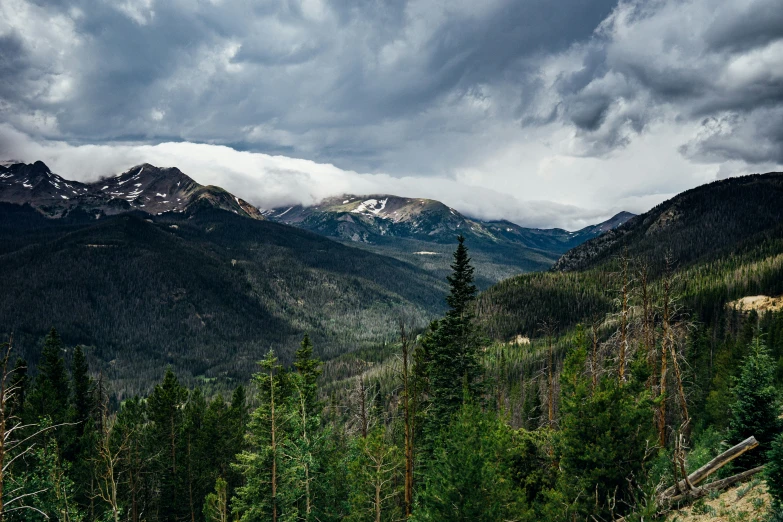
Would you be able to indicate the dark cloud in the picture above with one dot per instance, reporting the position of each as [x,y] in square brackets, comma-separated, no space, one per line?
[496,93]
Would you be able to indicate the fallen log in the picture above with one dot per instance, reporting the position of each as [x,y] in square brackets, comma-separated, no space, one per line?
[683,499]
[709,468]
[718,485]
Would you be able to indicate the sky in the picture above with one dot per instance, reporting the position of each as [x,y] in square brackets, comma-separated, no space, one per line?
[544,113]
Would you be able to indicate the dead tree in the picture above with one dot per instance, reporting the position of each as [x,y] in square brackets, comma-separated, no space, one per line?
[594,357]
[408,419]
[624,311]
[666,338]
[549,332]
[12,447]
[108,459]
[648,322]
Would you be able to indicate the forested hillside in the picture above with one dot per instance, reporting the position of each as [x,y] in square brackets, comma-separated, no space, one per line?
[207,292]
[583,426]
[621,390]
[724,239]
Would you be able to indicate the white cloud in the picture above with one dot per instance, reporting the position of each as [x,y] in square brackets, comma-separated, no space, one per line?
[550,114]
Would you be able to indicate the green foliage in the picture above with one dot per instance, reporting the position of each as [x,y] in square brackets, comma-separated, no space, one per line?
[216,503]
[448,354]
[202,297]
[374,466]
[470,477]
[50,393]
[773,472]
[83,399]
[48,488]
[726,239]
[165,412]
[602,446]
[756,409]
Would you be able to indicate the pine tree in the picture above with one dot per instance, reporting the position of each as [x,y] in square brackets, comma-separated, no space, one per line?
[309,368]
[83,398]
[136,458]
[450,348]
[261,498]
[199,450]
[374,478]
[304,446]
[50,394]
[756,409]
[603,440]
[81,449]
[773,475]
[165,413]
[216,503]
[470,478]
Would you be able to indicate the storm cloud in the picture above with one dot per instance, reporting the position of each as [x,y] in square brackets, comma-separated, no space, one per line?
[556,112]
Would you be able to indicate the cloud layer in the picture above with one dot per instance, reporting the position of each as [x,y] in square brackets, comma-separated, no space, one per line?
[547,113]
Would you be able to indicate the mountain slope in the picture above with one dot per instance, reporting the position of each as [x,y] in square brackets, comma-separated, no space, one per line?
[724,241]
[144,187]
[207,291]
[422,232]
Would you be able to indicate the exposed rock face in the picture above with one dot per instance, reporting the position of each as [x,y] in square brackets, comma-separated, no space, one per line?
[144,187]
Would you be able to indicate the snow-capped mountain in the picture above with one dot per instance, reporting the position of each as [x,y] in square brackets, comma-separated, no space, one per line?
[423,232]
[375,218]
[144,187]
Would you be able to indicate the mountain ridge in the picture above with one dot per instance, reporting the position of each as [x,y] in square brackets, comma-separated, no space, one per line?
[721,241]
[421,231]
[144,187]
[417,231]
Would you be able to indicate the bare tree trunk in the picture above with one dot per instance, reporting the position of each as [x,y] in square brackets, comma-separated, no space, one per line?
[594,359]
[623,321]
[406,405]
[363,406]
[665,340]
[3,420]
[190,486]
[714,465]
[648,325]
[550,384]
[274,444]
[378,486]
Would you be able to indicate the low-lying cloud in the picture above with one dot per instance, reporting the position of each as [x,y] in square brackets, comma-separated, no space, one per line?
[545,113]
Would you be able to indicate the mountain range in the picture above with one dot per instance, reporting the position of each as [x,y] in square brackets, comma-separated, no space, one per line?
[422,231]
[149,268]
[144,187]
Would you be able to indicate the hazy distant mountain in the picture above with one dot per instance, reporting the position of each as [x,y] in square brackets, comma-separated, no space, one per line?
[423,232]
[145,187]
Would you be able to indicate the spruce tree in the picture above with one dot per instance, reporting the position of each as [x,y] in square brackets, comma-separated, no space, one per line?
[50,394]
[309,368]
[470,476]
[449,350]
[164,408]
[756,408]
[773,475]
[603,440]
[83,397]
[261,497]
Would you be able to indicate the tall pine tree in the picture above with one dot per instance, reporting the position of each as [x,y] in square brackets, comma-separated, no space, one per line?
[449,350]
[164,407]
